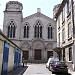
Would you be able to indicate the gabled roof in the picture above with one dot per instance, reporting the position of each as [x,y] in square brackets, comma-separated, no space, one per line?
[38,14]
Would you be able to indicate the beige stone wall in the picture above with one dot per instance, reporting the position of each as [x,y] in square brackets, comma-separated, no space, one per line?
[1,54]
[11,53]
[11,59]
[44,21]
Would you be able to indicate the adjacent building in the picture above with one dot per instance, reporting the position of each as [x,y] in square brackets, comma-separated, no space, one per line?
[10,55]
[65,19]
[34,34]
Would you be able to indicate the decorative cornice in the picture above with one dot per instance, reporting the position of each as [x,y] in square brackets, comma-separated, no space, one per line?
[13,2]
[10,6]
[60,8]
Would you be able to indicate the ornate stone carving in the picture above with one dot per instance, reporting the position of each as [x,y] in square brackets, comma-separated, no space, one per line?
[14,6]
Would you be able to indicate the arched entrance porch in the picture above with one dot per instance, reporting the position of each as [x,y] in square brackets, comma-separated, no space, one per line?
[38,50]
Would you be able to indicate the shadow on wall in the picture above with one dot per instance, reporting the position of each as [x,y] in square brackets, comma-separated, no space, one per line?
[19,71]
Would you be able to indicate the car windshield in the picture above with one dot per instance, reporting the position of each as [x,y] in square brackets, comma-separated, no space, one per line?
[61,63]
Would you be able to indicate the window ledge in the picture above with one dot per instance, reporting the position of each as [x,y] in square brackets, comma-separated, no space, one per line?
[63,22]
[68,14]
[70,38]
[63,42]
[59,27]
[70,61]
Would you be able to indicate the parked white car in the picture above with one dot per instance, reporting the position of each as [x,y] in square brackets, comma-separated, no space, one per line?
[50,60]
[47,64]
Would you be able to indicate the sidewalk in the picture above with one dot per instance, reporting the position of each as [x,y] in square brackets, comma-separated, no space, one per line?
[18,71]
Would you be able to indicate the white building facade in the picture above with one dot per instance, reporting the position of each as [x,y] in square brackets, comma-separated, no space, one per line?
[65,46]
[34,34]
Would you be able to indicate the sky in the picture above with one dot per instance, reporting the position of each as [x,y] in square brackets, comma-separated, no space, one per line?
[30,7]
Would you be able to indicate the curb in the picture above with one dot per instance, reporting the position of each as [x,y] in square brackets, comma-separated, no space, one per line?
[21,73]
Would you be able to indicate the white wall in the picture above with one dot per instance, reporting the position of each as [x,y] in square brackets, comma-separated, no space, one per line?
[11,59]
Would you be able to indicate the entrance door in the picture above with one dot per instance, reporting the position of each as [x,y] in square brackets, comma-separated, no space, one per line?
[37,54]
[49,53]
[25,55]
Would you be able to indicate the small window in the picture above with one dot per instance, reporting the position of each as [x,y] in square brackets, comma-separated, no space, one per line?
[63,35]
[26,31]
[11,30]
[63,54]
[38,30]
[70,54]
[50,31]
[69,30]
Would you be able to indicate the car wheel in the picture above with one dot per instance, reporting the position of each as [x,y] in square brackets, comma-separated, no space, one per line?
[46,66]
[53,72]
[49,68]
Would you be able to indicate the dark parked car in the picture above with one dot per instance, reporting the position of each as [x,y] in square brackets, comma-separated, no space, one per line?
[59,67]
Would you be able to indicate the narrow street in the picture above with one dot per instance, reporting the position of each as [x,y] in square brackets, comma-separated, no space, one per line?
[33,69]
[38,69]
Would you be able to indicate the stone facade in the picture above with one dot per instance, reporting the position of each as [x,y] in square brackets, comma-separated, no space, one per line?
[36,49]
[65,32]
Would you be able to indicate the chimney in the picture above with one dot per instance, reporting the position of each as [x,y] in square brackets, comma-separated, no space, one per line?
[38,10]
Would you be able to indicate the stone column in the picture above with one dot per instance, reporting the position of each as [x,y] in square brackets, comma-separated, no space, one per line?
[43,55]
[31,55]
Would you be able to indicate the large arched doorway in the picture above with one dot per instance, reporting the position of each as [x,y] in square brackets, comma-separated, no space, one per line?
[37,51]
[38,48]
[25,55]
[25,47]
[49,48]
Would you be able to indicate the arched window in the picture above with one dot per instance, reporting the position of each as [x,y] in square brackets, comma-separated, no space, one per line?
[50,36]
[26,31]
[38,30]
[11,30]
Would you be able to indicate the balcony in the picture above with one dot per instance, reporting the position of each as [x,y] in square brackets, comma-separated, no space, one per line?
[56,47]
